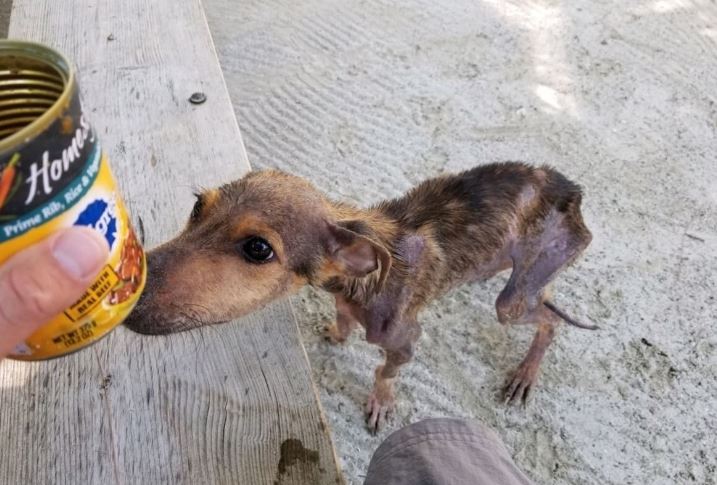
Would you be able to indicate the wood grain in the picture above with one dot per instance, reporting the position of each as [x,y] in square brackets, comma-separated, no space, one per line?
[228,404]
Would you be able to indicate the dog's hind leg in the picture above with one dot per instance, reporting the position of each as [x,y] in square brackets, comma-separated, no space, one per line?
[537,259]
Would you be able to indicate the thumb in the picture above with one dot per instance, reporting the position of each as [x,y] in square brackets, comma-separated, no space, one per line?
[41,281]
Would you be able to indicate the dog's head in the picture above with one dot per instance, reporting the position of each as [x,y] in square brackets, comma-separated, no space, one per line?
[248,243]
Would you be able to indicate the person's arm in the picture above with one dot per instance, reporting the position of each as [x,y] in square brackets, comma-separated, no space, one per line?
[41,281]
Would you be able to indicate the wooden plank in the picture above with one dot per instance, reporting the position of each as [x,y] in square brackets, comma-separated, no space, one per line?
[5,6]
[227,404]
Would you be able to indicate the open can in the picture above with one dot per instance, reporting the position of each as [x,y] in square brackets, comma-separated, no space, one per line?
[54,174]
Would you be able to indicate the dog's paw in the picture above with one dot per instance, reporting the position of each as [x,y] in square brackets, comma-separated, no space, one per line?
[332,335]
[378,409]
[520,385]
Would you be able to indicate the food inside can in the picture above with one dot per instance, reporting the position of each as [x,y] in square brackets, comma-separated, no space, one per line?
[54,174]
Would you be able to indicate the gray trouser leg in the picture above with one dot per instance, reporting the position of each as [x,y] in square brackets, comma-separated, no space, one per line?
[443,451]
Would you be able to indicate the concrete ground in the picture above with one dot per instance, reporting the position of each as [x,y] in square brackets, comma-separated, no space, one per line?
[366,98]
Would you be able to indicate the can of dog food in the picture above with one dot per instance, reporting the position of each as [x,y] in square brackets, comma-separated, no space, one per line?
[54,174]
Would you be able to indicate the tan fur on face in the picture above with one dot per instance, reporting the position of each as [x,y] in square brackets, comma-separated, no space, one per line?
[220,291]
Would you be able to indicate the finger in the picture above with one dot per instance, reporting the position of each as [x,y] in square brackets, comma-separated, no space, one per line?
[40,282]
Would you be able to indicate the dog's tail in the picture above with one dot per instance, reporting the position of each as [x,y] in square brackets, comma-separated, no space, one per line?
[568,319]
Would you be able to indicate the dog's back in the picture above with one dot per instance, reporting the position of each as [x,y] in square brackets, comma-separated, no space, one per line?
[472,216]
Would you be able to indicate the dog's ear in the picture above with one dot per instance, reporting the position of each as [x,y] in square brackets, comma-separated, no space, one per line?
[354,254]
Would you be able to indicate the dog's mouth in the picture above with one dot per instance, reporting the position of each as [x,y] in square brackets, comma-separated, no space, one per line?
[177,318]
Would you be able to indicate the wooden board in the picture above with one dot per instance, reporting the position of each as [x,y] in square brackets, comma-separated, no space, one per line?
[230,404]
[5,6]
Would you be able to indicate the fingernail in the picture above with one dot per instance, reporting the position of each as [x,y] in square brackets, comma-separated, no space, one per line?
[81,252]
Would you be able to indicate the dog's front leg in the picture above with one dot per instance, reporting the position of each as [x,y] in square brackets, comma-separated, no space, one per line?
[399,348]
[346,321]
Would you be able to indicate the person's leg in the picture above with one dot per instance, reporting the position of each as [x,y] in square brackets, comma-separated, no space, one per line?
[443,451]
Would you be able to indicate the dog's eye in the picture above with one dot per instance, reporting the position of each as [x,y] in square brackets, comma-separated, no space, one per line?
[257,250]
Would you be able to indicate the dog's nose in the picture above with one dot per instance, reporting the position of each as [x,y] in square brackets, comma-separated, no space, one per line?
[141,319]
[157,260]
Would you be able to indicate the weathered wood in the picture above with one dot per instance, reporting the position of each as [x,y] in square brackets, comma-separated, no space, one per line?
[5,6]
[229,404]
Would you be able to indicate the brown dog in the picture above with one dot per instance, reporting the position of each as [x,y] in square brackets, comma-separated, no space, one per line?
[267,235]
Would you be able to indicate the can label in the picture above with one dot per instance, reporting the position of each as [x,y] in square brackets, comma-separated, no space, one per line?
[62,178]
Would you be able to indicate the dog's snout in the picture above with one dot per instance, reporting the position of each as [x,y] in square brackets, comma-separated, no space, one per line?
[142,319]
[157,260]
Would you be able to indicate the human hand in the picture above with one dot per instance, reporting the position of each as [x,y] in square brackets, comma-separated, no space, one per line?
[41,281]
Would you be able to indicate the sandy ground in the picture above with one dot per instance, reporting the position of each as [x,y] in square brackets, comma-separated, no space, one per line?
[366,98]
